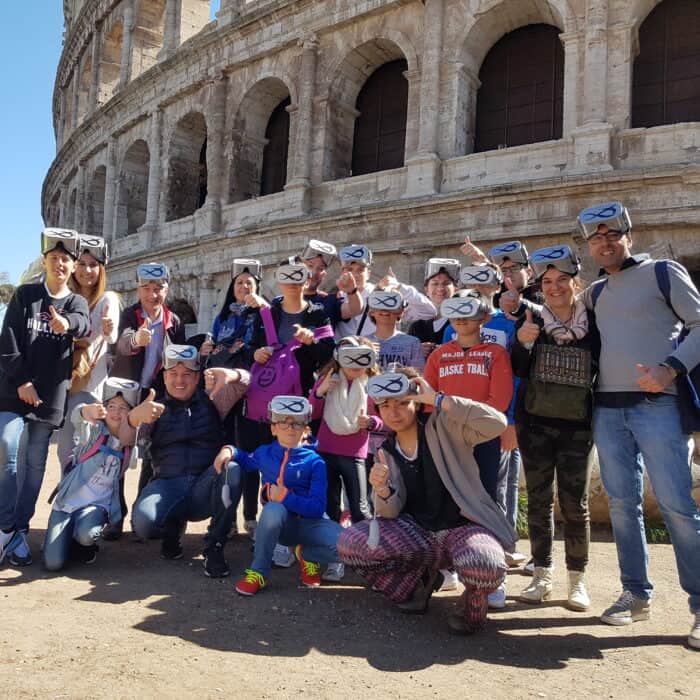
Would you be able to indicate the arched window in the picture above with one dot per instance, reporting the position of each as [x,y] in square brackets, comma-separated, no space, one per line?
[666,78]
[132,197]
[522,89]
[187,172]
[274,167]
[380,129]
[94,223]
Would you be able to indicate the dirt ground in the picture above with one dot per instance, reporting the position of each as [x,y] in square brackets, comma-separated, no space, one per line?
[134,626]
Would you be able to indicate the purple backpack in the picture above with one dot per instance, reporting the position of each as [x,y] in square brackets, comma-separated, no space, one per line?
[280,375]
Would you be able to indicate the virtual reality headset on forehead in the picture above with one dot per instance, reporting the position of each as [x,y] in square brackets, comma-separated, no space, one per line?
[514,251]
[353,355]
[185,354]
[249,265]
[386,301]
[613,214]
[449,266]
[292,273]
[152,272]
[284,409]
[356,253]
[64,238]
[96,246]
[559,256]
[471,306]
[315,248]
[480,274]
[389,385]
[126,388]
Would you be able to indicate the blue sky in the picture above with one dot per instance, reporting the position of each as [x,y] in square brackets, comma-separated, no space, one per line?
[30,46]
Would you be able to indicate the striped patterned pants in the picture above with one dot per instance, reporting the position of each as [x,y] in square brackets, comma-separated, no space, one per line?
[406,552]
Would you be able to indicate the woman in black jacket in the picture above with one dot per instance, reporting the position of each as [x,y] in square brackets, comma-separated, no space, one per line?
[554,355]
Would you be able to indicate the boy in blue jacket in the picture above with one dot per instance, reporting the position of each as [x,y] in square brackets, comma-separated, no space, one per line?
[293,495]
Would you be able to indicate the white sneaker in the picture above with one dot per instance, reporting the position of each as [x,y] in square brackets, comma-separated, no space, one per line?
[450,580]
[578,596]
[514,559]
[334,572]
[626,610]
[249,526]
[694,636]
[540,587]
[283,556]
[529,568]
[9,541]
[497,598]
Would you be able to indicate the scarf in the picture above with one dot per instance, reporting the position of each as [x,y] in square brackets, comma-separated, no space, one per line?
[344,404]
[566,332]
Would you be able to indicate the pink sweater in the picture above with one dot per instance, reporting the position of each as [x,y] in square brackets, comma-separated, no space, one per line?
[353,445]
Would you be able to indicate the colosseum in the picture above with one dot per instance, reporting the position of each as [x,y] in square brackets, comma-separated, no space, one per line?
[403,124]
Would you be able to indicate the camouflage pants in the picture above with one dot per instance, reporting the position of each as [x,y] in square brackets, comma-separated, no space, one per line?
[548,451]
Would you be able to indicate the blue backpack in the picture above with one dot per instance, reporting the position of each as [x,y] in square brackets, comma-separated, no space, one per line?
[689,385]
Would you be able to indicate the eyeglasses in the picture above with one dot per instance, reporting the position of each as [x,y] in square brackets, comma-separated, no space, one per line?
[609,237]
[515,267]
[291,424]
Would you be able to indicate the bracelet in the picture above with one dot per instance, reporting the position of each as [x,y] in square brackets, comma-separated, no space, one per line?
[438,400]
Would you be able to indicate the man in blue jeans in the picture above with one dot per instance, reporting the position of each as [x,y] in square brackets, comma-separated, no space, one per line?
[637,421]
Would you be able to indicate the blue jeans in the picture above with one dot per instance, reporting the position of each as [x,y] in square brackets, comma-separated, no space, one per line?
[507,486]
[24,446]
[628,439]
[165,506]
[318,536]
[83,525]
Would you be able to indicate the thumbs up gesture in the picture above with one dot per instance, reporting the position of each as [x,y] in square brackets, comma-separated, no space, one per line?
[303,335]
[509,301]
[379,475]
[58,324]
[389,282]
[474,253]
[529,331]
[107,322]
[148,411]
[363,420]
[143,335]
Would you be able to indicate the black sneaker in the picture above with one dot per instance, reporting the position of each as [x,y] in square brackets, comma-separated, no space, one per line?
[215,565]
[171,548]
[112,533]
[81,554]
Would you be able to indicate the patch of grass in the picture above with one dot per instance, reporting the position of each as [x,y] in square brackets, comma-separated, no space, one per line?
[521,526]
[656,532]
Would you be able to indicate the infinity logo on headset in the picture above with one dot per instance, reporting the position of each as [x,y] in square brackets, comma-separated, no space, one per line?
[293,406]
[554,254]
[388,302]
[395,385]
[507,248]
[155,272]
[295,276]
[364,360]
[356,254]
[606,213]
[462,308]
[92,242]
[324,247]
[61,234]
[478,277]
[186,354]
[123,383]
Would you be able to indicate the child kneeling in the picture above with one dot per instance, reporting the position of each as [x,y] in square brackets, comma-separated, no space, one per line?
[293,495]
[87,497]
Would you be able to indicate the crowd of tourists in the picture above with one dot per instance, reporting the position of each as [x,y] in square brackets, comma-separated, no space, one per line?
[374,426]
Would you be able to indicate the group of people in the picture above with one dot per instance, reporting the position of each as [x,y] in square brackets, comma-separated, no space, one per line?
[350,441]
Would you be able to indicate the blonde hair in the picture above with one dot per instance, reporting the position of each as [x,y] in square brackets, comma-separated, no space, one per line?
[93,294]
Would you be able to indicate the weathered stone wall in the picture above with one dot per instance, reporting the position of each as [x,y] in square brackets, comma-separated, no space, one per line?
[143,85]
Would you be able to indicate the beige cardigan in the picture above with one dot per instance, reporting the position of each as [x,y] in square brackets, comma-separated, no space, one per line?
[451,437]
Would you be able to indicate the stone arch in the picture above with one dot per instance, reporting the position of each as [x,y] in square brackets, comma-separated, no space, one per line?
[147,35]
[184,310]
[248,139]
[666,72]
[110,61]
[132,192]
[639,10]
[349,77]
[187,166]
[95,206]
[501,17]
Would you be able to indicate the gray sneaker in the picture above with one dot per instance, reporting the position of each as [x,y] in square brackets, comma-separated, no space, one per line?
[694,636]
[626,610]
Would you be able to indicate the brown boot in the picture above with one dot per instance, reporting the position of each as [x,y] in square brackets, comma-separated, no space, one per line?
[417,604]
[470,611]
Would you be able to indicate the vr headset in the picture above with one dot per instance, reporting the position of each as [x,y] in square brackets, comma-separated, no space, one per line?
[351,354]
[449,266]
[470,306]
[389,385]
[315,248]
[64,238]
[187,354]
[96,246]
[386,301]
[292,273]
[559,256]
[289,409]
[481,274]
[126,388]
[613,214]
[152,272]
[514,251]
[252,267]
[355,253]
